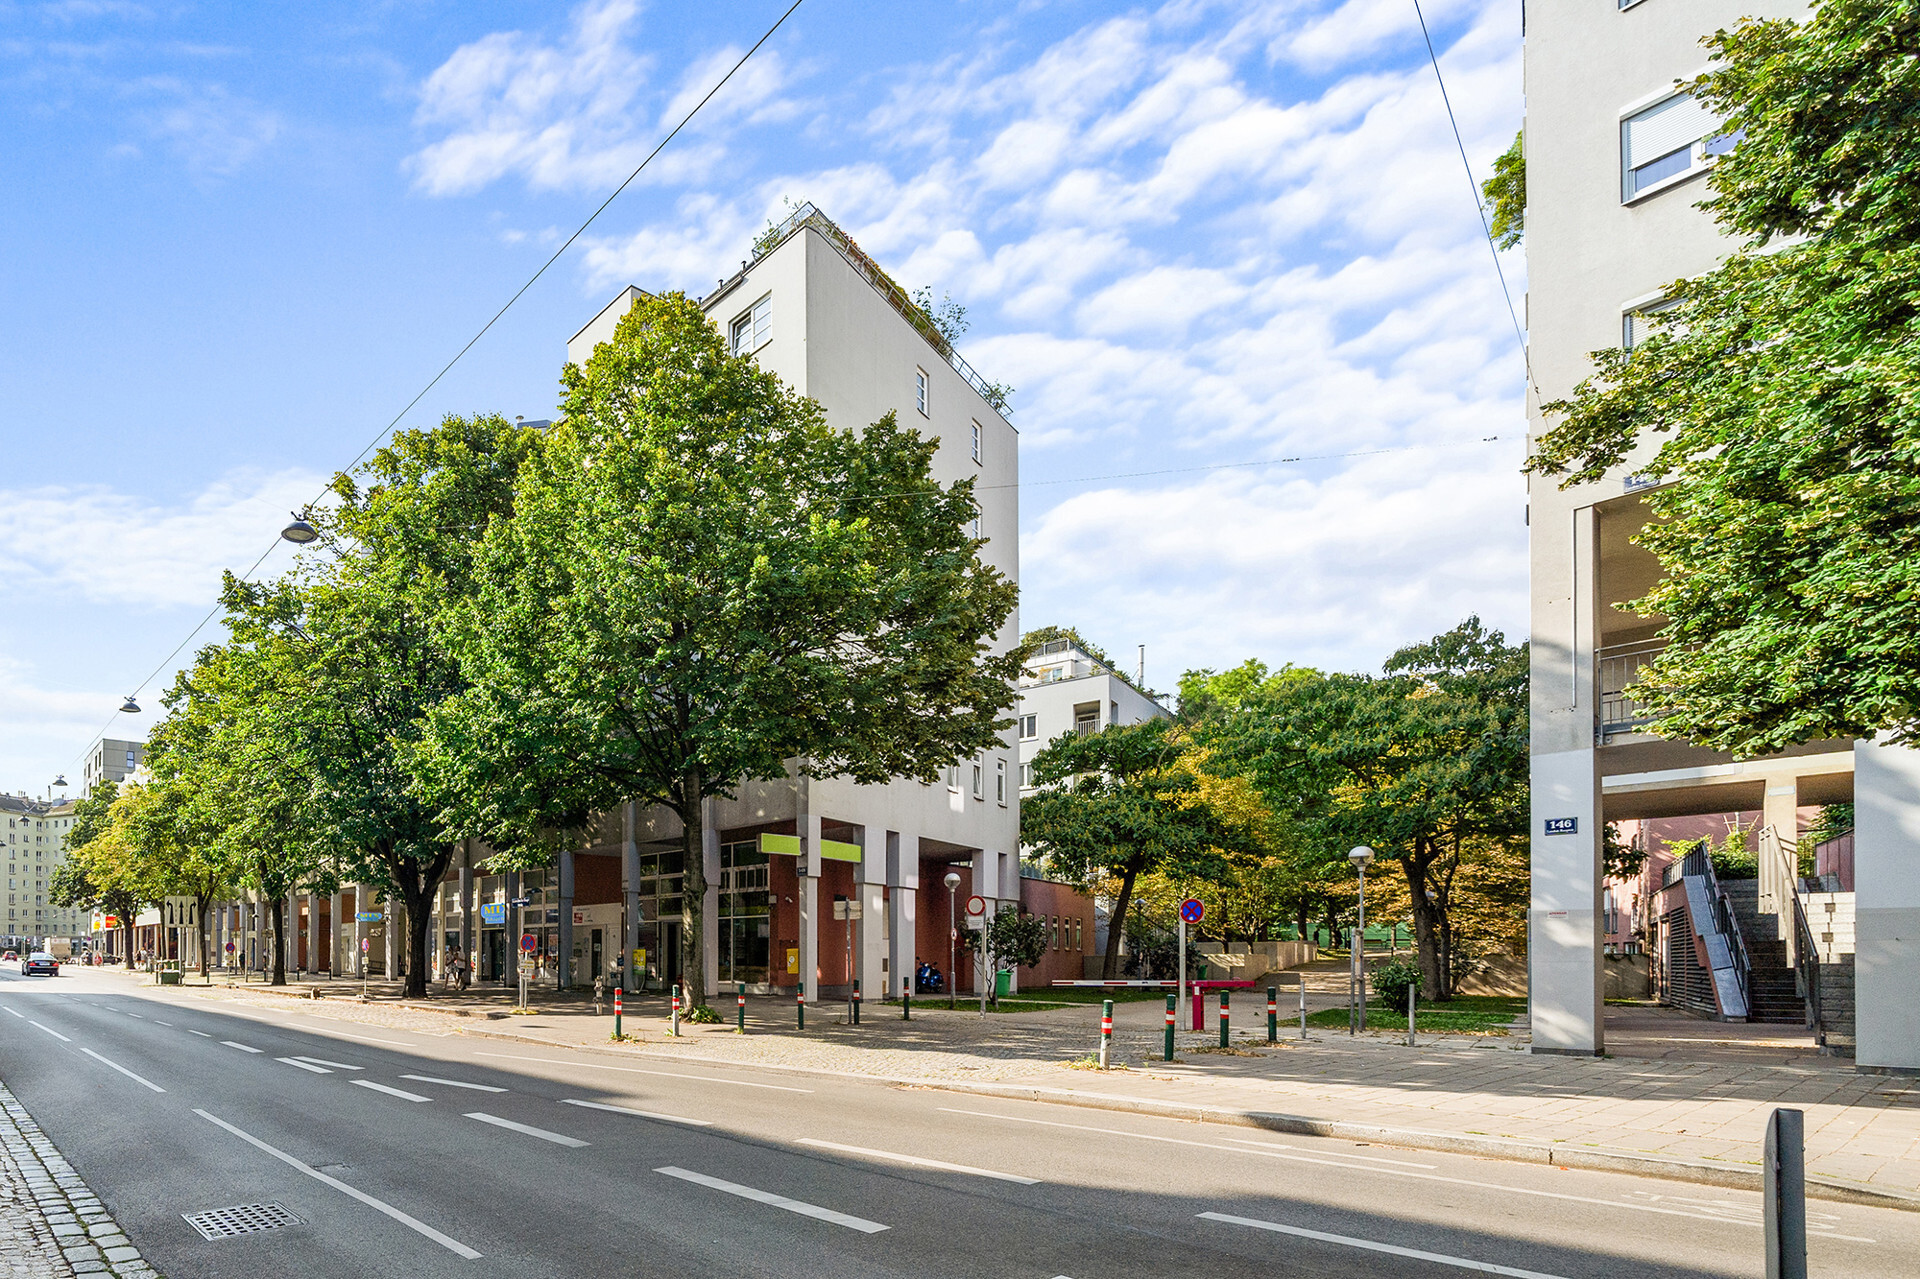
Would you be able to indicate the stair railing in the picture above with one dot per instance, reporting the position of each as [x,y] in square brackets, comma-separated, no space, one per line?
[1780,861]
[1724,921]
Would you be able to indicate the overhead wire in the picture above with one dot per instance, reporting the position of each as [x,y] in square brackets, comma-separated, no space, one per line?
[388,430]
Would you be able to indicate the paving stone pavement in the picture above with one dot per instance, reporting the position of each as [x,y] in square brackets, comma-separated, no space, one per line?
[51,1225]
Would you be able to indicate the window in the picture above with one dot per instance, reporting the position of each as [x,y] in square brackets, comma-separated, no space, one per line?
[1000,781]
[920,391]
[1636,325]
[953,777]
[976,441]
[976,522]
[1113,714]
[1026,775]
[1076,934]
[1029,727]
[1666,141]
[979,782]
[750,331]
[1086,719]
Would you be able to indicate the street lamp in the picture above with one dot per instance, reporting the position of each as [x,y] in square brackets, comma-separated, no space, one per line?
[953,932]
[299,532]
[1357,990]
[129,707]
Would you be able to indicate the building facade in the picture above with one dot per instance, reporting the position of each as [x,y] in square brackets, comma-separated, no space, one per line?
[1066,689]
[111,760]
[32,842]
[1615,156]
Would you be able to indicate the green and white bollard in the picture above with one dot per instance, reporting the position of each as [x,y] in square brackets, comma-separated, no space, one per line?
[741,1027]
[1223,1019]
[1106,1030]
[1166,1050]
[856,1001]
[616,1012]
[674,1030]
[906,999]
[1303,1005]
[1273,1015]
[800,1005]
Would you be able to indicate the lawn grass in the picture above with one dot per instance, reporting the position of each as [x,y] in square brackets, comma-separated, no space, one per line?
[1462,1015]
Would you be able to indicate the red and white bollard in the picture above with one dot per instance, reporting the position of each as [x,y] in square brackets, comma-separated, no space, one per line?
[675,1028]
[1106,1030]
[616,1012]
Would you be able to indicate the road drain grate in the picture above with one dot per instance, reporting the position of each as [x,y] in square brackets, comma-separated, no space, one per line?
[241,1219]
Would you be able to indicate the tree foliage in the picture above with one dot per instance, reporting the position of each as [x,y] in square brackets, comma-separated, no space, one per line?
[1505,195]
[701,581]
[1778,399]
[92,876]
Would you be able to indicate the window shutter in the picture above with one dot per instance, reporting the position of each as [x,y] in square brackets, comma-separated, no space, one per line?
[1678,122]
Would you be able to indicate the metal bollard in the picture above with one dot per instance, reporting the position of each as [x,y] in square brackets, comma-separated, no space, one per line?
[1412,991]
[1303,1005]
[1223,1019]
[741,1028]
[1106,1030]
[856,1001]
[800,1004]
[674,1030]
[1273,1014]
[616,1012]
[1166,1051]
[906,999]
[1784,1207]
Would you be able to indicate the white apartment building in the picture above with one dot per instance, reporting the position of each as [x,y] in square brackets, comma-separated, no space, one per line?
[32,832]
[111,760]
[1615,157]
[785,859]
[1068,690]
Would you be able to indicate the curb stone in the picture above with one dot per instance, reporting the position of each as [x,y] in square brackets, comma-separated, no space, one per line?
[65,1220]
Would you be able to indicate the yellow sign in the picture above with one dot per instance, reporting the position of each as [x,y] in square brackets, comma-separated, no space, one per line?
[793,960]
[640,959]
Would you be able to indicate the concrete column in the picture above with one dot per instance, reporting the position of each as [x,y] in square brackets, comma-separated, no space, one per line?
[710,902]
[466,900]
[359,930]
[565,943]
[1565,972]
[807,866]
[905,904]
[336,963]
[871,961]
[629,896]
[1886,880]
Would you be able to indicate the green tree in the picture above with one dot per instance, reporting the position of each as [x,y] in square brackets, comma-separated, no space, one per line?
[1783,392]
[701,581]
[1426,764]
[1505,195]
[89,879]
[1121,803]
[1208,695]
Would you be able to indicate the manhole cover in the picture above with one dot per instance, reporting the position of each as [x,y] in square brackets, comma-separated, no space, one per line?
[241,1219]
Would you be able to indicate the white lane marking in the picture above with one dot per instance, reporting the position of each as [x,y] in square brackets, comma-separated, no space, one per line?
[398,1043]
[1274,1145]
[412,1223]
[391,1092]
[635,1070]
[51,1031]
[453,1083]
[628,1110]
[122,1069]
[21,1016]
[1384,1172]
[304,1065]
[167,1024]
[776,1201]
[203,1034]
[1348,1241]
[322,1061]
[242,1047]
[558,1139]
[923,1163]
[137,1015]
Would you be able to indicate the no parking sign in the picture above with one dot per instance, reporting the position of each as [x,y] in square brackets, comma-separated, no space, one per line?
[1193,910]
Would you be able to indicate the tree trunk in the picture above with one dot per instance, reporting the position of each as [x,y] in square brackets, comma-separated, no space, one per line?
[1300,921]
[277,920]
[693,891]
[206,938]
[126,933]
[1117,921]
[1426,927]
[419,929]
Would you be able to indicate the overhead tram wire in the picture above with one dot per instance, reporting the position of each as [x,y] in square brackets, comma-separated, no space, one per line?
[1479,205]
[388,430]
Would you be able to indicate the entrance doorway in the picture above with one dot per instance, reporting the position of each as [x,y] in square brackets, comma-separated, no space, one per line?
[493,955]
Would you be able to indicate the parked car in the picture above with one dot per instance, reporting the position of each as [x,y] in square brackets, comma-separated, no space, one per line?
[11,957]
[40,962]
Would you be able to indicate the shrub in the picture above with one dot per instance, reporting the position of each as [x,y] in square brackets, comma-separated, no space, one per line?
[1392,980]
[701,1013]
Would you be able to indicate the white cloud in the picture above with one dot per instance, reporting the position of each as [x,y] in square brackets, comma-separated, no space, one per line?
[213,131]
[98,546]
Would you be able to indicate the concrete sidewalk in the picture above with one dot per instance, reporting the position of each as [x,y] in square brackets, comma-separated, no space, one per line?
[1695,1117]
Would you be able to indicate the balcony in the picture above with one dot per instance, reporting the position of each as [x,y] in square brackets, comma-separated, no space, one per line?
[1619,669]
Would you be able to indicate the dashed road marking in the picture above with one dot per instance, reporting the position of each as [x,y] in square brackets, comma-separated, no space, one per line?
[640,1114]
[1372,1245]
[453,1083]
[918,1161]
[558,1139]
[776,1201]
[122,1069]
[401,1093]
[242,1047]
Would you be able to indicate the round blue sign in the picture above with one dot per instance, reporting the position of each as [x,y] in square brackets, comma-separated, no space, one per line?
[1192,910]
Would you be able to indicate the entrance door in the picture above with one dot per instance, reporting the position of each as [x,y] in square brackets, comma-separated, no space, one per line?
[493,956]
[669,960]
[596,956]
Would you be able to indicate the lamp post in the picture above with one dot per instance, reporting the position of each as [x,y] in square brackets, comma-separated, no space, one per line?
[300,532]
[953,931]
[1357,991]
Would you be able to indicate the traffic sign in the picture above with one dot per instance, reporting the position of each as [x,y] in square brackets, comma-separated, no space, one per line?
[1193,910]
[976,905]
[365,945]
[529,943]
[229,948]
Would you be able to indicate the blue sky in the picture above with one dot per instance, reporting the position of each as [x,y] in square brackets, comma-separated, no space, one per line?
[239,238]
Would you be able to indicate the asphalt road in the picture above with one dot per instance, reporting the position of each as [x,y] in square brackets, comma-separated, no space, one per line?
[427,1155]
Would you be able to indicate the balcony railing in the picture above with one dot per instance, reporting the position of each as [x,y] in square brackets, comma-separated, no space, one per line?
[1620,666]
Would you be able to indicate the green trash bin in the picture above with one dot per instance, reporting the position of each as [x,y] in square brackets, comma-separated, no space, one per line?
[169,978]
[1002,982]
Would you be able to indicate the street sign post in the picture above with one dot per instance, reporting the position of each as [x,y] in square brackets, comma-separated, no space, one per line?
[366,944]
[1192,911]
[529,943]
